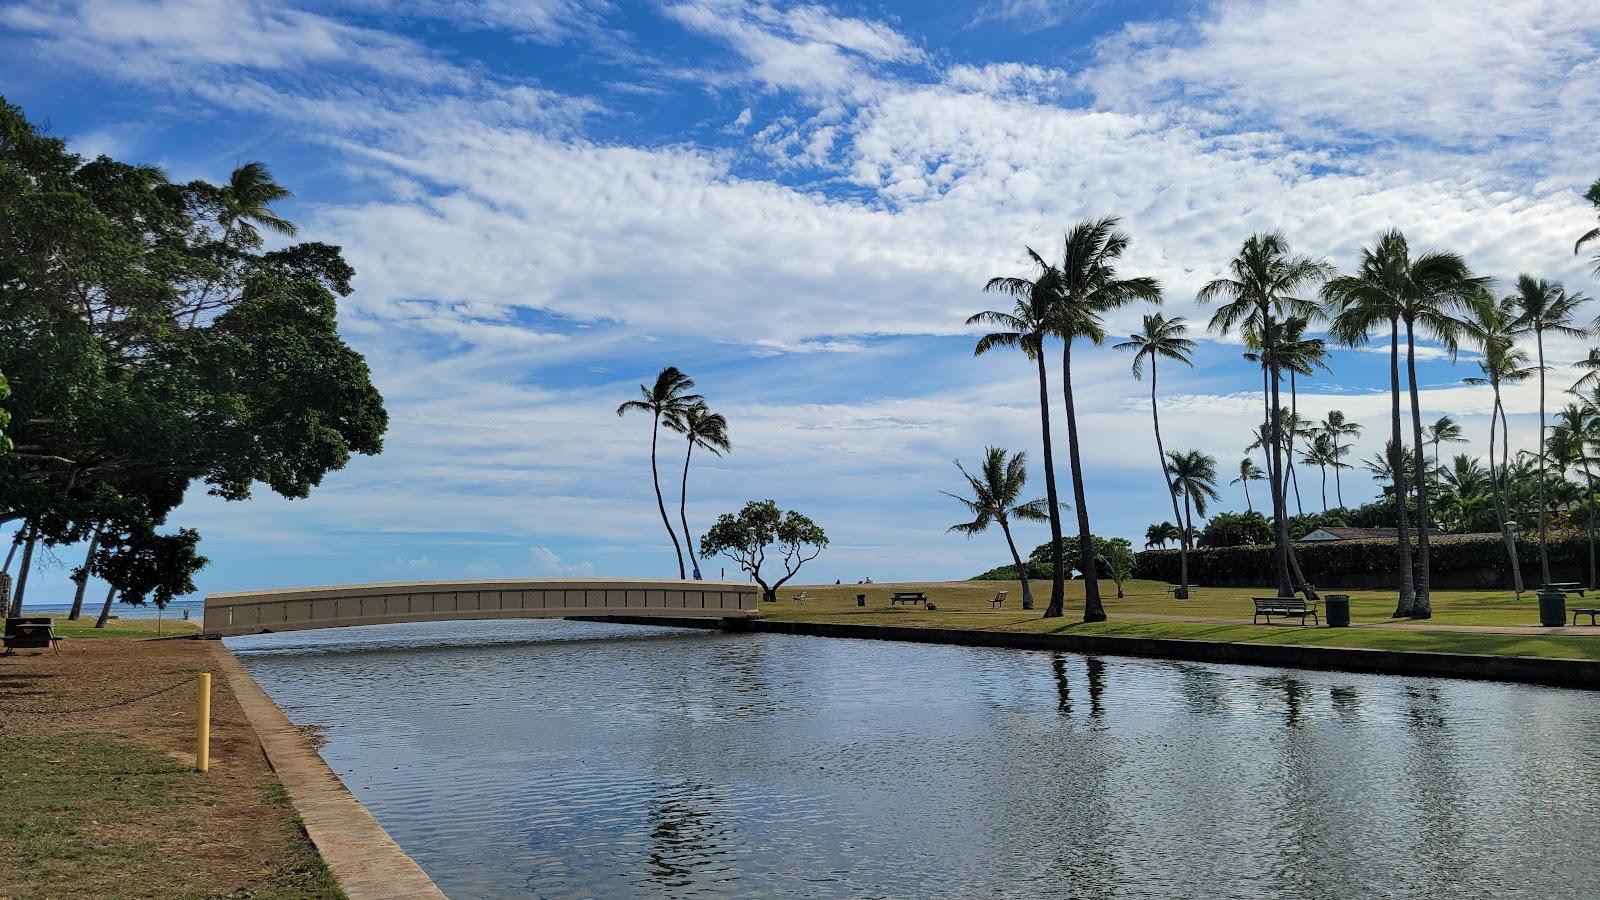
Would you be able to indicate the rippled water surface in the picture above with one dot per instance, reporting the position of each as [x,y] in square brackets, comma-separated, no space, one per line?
[566,759]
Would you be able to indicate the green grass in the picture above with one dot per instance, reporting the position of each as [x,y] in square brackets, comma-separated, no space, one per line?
[965,605]
[94,815]
[122,628]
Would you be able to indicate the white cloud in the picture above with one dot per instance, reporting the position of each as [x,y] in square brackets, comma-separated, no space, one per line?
[547,564]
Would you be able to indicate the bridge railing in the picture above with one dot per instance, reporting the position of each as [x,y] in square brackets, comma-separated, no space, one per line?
[294,609]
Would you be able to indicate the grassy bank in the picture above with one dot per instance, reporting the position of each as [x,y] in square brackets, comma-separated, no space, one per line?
[1212,614]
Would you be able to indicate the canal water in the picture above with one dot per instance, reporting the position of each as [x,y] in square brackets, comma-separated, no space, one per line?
[567,759]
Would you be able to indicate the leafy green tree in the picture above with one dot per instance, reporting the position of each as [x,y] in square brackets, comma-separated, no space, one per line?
[996,499]
[142,565]
[1088,287]
[745,537]
[1260,294]
[1230,529]
[1162,338]
[1025,328]
[1544,306]
[667,398]
[701,428]
[1115,556]
[1571,441]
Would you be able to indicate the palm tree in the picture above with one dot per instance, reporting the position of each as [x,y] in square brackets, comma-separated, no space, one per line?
[1163,337]
[1544,306]
[1025,327]
[1195,476]
[1088,287]
[1381,465]
[1490,328]
[994,499]
[667,398]
[1320,454]
[1577,429]
[1159,534]
[1444,430]
[1467,489]
[1260,295]
[1593,234]
[701,428]
[1337,429]
[1300,355]
[1248,472]
[247,201]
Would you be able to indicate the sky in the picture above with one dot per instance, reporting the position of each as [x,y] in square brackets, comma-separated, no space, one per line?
[798,204]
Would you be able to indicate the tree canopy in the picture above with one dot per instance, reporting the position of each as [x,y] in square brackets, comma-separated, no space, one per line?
[744,537]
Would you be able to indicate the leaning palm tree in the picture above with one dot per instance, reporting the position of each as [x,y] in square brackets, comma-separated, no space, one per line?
[1490,328]
[1088,287]
[1025,327]
[701,428]
[996,490]
[667,398]
[1260,294]
[1544,306]
[1248,472]
[1593,234]
[1337,428]
[246,202]
[1163,337]
[1444,430]
[1195,476]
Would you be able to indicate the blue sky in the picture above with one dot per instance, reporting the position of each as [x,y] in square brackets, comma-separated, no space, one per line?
[548,200]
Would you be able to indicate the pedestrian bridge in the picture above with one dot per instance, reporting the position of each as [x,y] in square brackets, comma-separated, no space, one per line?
[298,609]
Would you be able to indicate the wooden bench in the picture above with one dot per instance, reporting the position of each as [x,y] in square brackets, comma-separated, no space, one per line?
[899,597]
[1284,607]
[31,633]
[999,600]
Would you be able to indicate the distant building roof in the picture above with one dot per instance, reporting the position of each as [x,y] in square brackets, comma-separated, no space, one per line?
[1346,533]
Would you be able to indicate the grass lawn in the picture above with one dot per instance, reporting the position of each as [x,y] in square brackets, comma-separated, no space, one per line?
[122,628]
[1148,611]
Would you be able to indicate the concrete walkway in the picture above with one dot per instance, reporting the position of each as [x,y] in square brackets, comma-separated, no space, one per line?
[364,859]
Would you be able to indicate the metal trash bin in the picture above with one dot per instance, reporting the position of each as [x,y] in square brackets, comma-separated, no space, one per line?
[1552,607]
[1337,609]
[861,599]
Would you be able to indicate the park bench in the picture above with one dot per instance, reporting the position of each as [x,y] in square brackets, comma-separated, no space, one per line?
[910,597]
[1590,611]
[800,597]
[31,633]
[999,600]
[1285,607]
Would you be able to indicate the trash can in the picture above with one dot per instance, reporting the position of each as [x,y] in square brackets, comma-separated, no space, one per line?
[1337,608]
[1552,607]
[861,599]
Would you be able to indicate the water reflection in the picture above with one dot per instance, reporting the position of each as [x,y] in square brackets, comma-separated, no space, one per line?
[566,759]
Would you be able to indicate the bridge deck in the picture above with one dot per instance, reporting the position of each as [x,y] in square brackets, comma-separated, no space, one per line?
[296,609]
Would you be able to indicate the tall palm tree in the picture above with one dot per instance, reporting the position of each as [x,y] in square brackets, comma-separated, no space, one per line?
[1088,287]
[1299,355]
[1444,430]
[701,428]
[1163,337]
[247,201]
[1593,234]
[1025,327]
[667,398]
[1248,472]
[1544,306]
[1337,428]
[1195,476]
[1159,534]
[995,492]
[1259,295]
[1320,454]
[1577,428]
[1490,328]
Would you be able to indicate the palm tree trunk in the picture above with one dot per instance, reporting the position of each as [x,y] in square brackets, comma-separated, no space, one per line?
[1589,480]
[1022,570]
[1188,520]
[1324,469]
[22,574]
[1093,611]
[1172,491]
[105,608]
[1398,473]
[1275,474]
[1247,504]
[1294,413]
[1421,607]
[683,502]
[1058,573]
[655,478]
[1544,550]
[1502,515]
[83,579]
[1338,486]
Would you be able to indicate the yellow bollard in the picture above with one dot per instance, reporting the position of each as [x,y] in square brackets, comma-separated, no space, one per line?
[202,722]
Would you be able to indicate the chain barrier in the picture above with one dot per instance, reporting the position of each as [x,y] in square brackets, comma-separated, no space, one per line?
[62,711]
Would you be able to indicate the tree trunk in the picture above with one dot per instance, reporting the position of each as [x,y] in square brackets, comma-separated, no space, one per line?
[1172,490]
[1502,515]
[1544,551]
[1280,521]
[655,478]
[105,609]
[83,579]
[1022,570]
[1058,572]
[683,502]
[1421,607]
[1294,414]
[1398,471]
[22,575]
[1093,610]
[1247,504]
[1338,486]
[1324,469]
[1588,479]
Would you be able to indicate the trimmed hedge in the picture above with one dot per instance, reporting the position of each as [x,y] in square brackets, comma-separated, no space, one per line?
[1476,563]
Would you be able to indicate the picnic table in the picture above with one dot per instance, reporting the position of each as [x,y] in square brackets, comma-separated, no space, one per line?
[31,633]
[908,597]
[1565,587]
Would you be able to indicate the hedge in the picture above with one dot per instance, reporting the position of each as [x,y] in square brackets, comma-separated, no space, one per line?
[1457,562]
